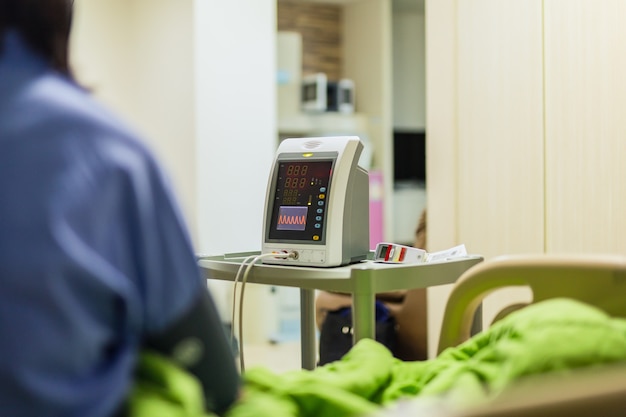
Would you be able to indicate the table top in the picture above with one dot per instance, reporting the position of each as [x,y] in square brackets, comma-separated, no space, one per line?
[366,275]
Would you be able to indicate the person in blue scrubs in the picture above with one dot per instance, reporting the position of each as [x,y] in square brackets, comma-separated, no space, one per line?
[95,261]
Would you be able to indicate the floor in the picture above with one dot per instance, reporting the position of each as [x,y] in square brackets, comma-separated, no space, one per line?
[279,357]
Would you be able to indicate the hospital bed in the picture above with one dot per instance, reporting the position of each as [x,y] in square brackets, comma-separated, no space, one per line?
[591,287]
[598,280]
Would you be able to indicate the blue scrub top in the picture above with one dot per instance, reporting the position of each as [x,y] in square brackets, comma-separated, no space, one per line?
[93,252]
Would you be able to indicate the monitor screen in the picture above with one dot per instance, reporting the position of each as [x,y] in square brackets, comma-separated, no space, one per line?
[301,191]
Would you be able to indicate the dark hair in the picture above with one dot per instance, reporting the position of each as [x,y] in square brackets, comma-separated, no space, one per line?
[43,24]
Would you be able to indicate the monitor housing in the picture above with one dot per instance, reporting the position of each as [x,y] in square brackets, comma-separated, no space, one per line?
[317,205]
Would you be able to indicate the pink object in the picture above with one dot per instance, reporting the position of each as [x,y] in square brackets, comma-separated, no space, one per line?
[376,208]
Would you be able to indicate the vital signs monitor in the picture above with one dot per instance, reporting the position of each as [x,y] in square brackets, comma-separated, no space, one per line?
[317,207]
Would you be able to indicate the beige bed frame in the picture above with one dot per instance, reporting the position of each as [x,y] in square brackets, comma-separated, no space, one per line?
[599,280]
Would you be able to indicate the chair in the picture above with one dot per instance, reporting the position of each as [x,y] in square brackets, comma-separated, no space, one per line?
[598,280]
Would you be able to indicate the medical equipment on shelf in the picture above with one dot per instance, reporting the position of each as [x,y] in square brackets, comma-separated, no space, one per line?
[317,207]
[322,95]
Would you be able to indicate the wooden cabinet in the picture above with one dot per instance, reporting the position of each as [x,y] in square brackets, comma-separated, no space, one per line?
[585,132]
[525,111]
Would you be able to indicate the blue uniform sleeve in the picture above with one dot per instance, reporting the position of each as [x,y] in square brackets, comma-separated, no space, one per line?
[170,280]
[180,311]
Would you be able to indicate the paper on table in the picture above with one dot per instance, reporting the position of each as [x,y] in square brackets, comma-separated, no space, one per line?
[454,252]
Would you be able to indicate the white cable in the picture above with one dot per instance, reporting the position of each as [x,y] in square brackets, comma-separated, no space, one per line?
[248,268]
[243,285]
[232,322]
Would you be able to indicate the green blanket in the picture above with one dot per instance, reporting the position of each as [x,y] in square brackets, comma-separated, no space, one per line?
[554,336]
[163,389]
[557,335]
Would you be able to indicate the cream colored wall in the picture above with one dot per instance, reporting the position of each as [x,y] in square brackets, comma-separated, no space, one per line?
[524,117]
[100,51]
[136,56]
[163,88]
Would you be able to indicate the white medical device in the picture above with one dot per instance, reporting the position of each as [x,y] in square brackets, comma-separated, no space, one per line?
[317,207]
[321,95]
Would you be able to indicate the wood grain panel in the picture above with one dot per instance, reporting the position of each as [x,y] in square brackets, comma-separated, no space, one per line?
[320,26]
[586,125]
[500,126]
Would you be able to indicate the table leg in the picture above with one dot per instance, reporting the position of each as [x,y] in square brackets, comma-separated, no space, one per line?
[307,329]
[364,312]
